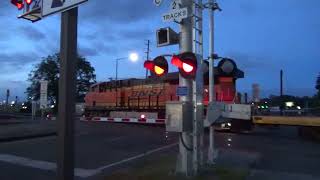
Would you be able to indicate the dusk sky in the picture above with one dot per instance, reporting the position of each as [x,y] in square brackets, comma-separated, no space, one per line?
[262,36]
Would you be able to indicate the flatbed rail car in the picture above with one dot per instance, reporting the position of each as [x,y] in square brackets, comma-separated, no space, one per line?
[151,94]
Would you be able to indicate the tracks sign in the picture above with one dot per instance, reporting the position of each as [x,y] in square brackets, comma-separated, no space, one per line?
[175,15]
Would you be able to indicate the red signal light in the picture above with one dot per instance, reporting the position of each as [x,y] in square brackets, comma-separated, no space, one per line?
[28,1]
[176,61]
[187,64]
[158,67]
[148,65]
[187,68]
[18,3]
[158,70]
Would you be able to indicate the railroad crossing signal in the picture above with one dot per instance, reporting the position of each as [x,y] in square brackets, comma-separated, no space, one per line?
[157,67]
[187,64]
[227,67]
[28,2]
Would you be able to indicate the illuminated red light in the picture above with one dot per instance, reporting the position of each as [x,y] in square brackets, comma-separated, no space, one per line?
[187,68]
[158,70]
[149,65]
[142,116]
[28,1]
[18,3]
[176,61]
[153,67]
[19,6]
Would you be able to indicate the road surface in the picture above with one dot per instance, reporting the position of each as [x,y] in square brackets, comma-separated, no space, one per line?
[103,147]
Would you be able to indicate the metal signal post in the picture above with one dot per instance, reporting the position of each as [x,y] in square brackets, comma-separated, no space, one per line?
[67,89]
[184,164]
[211,77]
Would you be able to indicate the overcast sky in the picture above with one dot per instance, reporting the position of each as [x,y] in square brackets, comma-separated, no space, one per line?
[262,36]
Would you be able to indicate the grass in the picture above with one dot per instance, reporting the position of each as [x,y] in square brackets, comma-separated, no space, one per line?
[163,169]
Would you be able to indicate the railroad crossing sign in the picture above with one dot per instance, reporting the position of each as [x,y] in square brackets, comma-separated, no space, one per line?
[175,15]
[54,6]
[175,4]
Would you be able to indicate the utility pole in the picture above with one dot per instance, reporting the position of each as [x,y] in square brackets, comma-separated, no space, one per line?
[184,164]
[211,77]
[147,53]
[246,98]
[281,92]
[67,85]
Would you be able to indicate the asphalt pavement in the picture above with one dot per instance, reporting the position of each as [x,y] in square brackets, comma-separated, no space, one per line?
[100,148]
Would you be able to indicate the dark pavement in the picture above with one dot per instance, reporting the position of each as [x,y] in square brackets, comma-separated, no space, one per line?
[96,145]
[102,147]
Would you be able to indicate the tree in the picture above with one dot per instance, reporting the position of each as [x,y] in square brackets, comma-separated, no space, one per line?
[48,70]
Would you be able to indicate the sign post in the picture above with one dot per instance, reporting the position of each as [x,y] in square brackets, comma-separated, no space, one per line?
[184,164]
[67,87]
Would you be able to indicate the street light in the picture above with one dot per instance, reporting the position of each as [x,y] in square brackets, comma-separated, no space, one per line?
[133,57]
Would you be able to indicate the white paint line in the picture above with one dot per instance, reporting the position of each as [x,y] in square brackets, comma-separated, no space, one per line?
[79,172]
[136,157]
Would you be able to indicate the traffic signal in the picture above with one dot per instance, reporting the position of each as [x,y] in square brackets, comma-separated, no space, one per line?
[18,3]
[187,64]
[157,67]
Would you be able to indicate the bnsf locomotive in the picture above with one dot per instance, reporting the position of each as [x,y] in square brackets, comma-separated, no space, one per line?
[149,96]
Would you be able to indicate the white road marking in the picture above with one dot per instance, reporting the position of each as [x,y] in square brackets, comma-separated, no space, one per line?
[136,157]
[82,173]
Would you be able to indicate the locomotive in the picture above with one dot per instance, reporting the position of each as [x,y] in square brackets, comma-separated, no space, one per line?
[149,96]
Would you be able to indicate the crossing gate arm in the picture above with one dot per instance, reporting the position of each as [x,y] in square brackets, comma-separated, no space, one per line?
[287,120]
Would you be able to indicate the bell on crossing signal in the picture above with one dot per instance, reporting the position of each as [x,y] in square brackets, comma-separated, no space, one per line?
[157,67]
[167,37]
[18,3]
[187,64]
